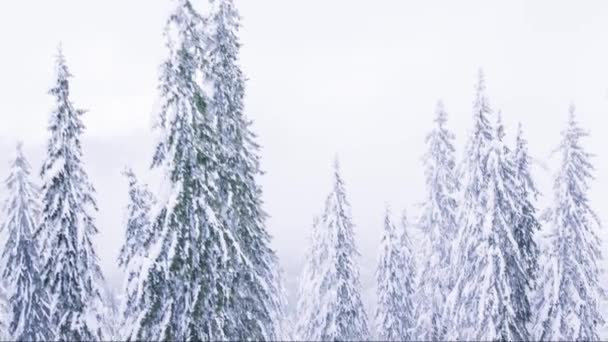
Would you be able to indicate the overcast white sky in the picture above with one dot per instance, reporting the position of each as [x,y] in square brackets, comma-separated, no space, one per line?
[358,78]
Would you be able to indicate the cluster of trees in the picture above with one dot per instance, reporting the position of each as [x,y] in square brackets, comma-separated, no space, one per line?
[479,274]
[197,258]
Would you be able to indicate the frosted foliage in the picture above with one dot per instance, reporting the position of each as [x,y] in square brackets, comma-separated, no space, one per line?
[189,269]
[395,277]
[528,224]
[256,308]
[28,299]
[331,303]
[70,272]
[438,223]
[138,239]
[4,315]
[486,303]
[570,296]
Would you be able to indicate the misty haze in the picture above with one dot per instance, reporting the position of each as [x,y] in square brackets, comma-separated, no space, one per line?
[303,170]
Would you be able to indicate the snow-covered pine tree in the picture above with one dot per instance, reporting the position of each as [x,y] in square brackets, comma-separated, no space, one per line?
[138,239]
[28,299]
[71,272]
[395,316]
[526,225]
[439,225]
[306,316]
[571,290]
[491,273]
[471,211]
[256,307]
[335,289]
[189,276]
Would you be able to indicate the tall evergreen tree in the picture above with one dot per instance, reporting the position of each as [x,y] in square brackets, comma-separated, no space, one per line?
[395,317]
[189,278]
[439,225]
[71,271]
[256,307]
[335,288]
[526,225]
[29,318]
[472,172]
[571,290]
[484,306]
[138,238]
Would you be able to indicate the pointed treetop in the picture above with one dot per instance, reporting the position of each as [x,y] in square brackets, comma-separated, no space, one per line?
[20,163]
[387,212]
[128,172]
[60,64]
[337,171]
[520,131]
[481,81]
[572,109]
[572,130]
[481,107]
[19,147]
[572,115]
[442,116]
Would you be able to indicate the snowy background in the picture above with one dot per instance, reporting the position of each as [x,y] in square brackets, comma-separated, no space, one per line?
[357,78]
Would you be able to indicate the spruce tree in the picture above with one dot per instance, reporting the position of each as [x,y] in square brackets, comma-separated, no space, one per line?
[439,225]
[256,307]
[306,316]
[28,302]
[492,275]
[71,272]
[395,317]
[526,226]
[471,211]
[188,279]
[138,238]
[571,290]
[335,289]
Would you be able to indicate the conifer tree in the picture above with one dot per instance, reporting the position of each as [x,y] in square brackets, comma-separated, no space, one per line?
[306,317]
[484,303]
[138,238]
[28,301]
[188,279]
[335,288]
[439,225]
[256,307]
[526,226]
[71,272]
[395,275]
[571,290]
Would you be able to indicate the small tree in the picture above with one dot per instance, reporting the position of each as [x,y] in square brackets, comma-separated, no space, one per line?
[439,225]
[395,275]
[71,271]
[138,239]
[571,291]
[29,319]
[333,309]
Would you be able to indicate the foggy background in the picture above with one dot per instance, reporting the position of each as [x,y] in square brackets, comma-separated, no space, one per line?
[354,78]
